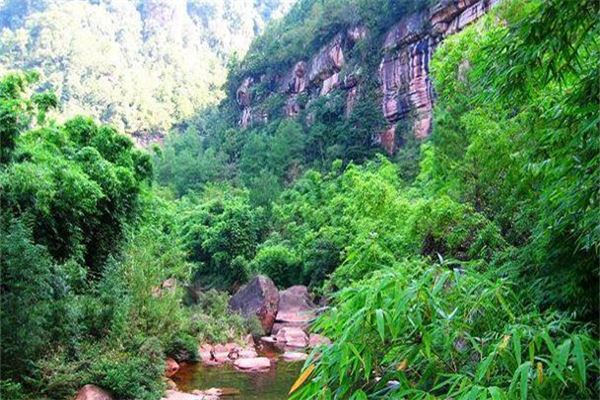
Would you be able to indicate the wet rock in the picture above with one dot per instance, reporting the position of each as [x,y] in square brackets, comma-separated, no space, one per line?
[171,367]
[318,340]
[175,395]
[294,356]
[253,364]
[92,392]
[258,298]
[217,392]
[292,337]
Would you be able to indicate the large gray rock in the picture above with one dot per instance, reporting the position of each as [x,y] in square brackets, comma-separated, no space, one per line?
[258,298]
[92,392]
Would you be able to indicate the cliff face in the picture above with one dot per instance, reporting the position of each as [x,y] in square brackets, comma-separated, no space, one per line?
[405,87]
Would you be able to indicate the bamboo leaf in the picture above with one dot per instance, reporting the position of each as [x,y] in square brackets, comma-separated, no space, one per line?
[379,319]
[302,378]
[579,359]
[496,393]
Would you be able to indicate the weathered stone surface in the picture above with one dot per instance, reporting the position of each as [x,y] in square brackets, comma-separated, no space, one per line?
[171,367]
[387,139]
[268,339]
[92,392]
[258,298]
[294,356]
[175,395]
[328,61]
[217,392]
[409,29]
[330,83]
[318,340]
[404,70]
[296,308]
[224,353]
[356,33]
[243,95]
[171,384]
[253,364]
[297,81]
[292,337]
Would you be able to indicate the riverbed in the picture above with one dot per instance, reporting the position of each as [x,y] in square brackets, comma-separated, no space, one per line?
[273,384]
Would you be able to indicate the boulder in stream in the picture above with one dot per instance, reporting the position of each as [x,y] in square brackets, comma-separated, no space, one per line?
[252,364]
[292,337]
[296,308]
[259,298]
[294,356]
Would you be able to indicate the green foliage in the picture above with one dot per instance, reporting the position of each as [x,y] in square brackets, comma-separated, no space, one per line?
[183,347]
[221,231]
[28,290]
[130,376]
[212,322]
[279,263]
[419,330]
[11,390]
[131,65]
[77,183]
[516,137]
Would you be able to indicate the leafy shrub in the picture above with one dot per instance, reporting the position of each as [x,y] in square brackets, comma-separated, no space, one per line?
[213,322]
[11,390]
[129,376]
[182,347]
[279,263]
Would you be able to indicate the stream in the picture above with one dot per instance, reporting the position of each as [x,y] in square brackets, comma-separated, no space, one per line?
[273,384]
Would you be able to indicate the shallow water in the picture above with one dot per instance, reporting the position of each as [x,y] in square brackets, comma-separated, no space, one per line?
[271,385]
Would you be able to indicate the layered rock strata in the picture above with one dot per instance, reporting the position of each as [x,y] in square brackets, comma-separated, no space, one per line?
[406,89]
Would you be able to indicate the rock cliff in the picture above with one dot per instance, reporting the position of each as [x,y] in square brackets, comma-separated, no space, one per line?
[406,91]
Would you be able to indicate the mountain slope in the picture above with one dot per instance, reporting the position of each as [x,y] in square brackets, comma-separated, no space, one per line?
[140,66]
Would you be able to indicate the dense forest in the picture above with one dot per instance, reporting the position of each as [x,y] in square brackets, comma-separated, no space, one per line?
[141,65]
[459,265]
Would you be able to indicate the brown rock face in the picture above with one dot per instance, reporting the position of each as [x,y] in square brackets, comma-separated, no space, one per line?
[387,139]
[92,392]
[258,298]
[404,70]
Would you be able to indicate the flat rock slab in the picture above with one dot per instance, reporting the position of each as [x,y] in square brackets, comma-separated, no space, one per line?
[175,395]
[292,337]
[223,353]
[253,364]
[218,392]
[294,356]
